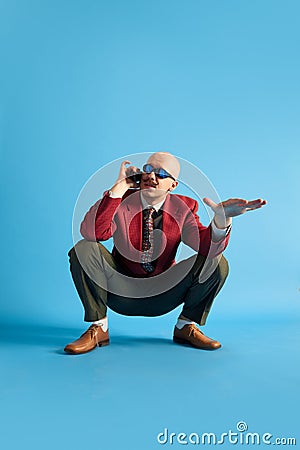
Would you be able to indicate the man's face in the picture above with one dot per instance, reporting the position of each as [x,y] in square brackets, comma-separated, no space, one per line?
[153,186]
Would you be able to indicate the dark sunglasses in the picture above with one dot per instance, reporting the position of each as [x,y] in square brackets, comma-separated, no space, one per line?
[159,172]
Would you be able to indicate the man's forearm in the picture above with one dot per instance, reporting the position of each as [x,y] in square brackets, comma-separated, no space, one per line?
[97,223]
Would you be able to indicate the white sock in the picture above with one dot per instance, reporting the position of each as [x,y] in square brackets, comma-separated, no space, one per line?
[181,322]
[102,323]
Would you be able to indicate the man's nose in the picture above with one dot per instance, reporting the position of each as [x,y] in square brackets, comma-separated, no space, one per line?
[152,176]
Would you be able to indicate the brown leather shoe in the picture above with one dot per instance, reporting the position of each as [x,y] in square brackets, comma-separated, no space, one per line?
[88,341]
[191,335]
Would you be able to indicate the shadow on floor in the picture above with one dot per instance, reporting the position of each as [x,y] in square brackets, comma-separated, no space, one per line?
[57,336]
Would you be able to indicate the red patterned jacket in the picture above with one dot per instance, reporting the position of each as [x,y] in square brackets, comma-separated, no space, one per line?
[122,220]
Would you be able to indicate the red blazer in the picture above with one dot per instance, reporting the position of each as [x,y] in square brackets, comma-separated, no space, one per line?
[122,220]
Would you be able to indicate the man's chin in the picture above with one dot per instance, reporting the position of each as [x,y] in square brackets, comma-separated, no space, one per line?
[153,192]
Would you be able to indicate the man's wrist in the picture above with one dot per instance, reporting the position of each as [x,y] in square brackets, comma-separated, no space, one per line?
[222,222]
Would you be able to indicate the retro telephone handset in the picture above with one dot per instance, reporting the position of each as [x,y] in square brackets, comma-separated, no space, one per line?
[136,178]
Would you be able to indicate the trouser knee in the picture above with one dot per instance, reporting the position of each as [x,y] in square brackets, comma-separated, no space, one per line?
[83,250]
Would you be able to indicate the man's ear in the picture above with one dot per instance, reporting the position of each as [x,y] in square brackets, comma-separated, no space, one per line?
[173,186]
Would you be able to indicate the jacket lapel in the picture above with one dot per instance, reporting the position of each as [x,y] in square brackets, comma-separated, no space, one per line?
[133,219]
[171,213]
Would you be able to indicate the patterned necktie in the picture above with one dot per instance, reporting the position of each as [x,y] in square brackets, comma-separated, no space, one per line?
[148,224]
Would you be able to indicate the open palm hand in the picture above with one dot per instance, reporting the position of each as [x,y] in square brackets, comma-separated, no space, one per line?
[234,206]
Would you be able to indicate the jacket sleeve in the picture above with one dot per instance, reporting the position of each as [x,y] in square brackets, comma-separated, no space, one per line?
[98,223]
[199,237]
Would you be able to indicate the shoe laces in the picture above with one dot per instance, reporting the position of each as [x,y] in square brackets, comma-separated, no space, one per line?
[92,331]
[193,330]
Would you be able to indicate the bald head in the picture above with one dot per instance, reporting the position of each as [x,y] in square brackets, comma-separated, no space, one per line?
[166,161]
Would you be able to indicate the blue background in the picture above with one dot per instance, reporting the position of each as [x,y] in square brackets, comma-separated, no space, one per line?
[84,83]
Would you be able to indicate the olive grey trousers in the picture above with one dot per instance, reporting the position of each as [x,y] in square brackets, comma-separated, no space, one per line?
[101,284]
